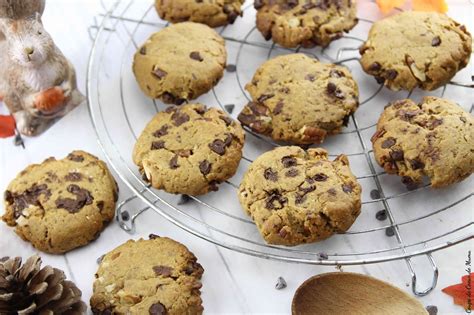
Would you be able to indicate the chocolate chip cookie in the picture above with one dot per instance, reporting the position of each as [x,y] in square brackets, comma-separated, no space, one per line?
[416,49]
[291,23]
[189,149]
[180,62]
[296,196]
[211,12]
[300,100]
[157,276]
[434,138]
[59,205]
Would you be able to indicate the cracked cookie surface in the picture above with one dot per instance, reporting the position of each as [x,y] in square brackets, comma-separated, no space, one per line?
[180,62]
[416,49]
[296,196]
[157,276]
[211,12]
[434,138]
[189,149]
[291,23]
[59,205]
[299,100]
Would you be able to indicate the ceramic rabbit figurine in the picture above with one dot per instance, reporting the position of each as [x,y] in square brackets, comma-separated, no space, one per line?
[17,9]
[37,82]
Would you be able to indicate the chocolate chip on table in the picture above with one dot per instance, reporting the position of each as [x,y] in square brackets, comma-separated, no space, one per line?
[174,162]
[205,167]
[125,216]
[157,309]
[159,73]
[218,146]
[388,143]
[231,68]
[183,199]
[83,197]
[164,271]
[143,50]
[288,161]
[161,132]
[390,231]
[195,55]
[436,41]
[381,215]
[432,310]
[409,183]
[156,145]
[270,175]
[229,108]
[323,256]
[281,283]
[375,194]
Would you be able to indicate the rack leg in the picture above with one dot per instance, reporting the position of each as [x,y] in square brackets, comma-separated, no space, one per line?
[434,281]
[125,221]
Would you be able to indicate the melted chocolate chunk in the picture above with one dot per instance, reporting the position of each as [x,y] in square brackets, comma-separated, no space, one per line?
[333,90]
[73,177]
[262,98]
[409,183]
[310,77]
[218,146]
[228,139]
[320,177]
[174,162]
[278,108]
[75,157]
[347,188]
[83,198]
[205,167]
[162,131]
[391,74]
[179,118]
[436,41]
[375,67]
[158,73]
[416,164]
[100,205]
[257,4]
[169,98]
[292,172]
[143,50]
[164,271]
[156,145]
[332,191]
[396,155]
[288,161]
[388,143]
[157,309]
[226,119]
[275,201]
[29,197]
[270,175]
[195,55]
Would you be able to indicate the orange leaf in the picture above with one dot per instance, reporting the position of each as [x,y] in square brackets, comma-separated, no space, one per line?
[430,5]
[7,126]
[460,293]
[387,5]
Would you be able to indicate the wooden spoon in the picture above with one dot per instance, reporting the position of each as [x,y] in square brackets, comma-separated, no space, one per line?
[342,293]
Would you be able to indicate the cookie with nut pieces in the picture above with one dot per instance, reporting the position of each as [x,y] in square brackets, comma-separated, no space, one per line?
[189,149]
[59,205]
[299,100]
[434,138]
[180,62]
[296,196]
[416,49]
[157,276]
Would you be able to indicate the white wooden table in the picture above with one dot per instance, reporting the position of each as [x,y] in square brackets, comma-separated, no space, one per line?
[233,283]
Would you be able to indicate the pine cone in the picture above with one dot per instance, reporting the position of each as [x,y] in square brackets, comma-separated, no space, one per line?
[28,289]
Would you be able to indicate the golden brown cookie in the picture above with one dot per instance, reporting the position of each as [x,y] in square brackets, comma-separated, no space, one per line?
[434,138]
[211,12]
[416,49]
[296,196]
[59,205]
[189,149]
[291,23]
[300,100]
[158,276]
[180,62]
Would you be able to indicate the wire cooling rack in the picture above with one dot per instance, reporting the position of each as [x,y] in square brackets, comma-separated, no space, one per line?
[415,223]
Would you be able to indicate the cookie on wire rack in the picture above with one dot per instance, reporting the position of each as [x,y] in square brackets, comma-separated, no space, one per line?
[308,23]
[189,149]
[213,13]
[434,138]
[157,276]
[297,196]
[299,100]
[59,205]
[416,49]
[180,62]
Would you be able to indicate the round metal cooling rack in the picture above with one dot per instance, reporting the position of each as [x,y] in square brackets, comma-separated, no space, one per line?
[417,223]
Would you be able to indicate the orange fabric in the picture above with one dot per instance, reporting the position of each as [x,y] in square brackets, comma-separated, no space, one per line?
[7,126]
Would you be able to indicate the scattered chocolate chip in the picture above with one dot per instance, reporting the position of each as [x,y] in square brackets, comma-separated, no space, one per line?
[308,189]
[281,283]
[347,188]
[278,108]
[228,121]
[391,74]
[270,175]
[229,108]
[228,139]
[332,191]
[171,109]
[164,271]
[435,123]
[75,157]
[310,77]
[409,183]
[381,215]
[375,194]
[218,146]
[320,177]
[323,256]
[125,216]
[153,236]
[292,172]
[169,98]
[275,201]
[183,199]
[332,89]
[262,98]
[416,164]
[205,167]
[213,185]
[390,231]
[158,73]
[143,50]
[396,155]
[231,68]
[174,162]
[375,67]
[388,143]
[195,55]
[162,131]
[73,177]
[436,41]
[179,118]
[288,161]
[100,205]
[82,198]
[156,145]
[432,310]
[157,309]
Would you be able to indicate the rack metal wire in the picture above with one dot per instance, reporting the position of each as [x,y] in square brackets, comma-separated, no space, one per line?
[111,89]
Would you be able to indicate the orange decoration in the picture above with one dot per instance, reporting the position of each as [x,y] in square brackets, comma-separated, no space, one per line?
[418,5]
[7,126]
[50,99]
[388,5]
[462,293]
